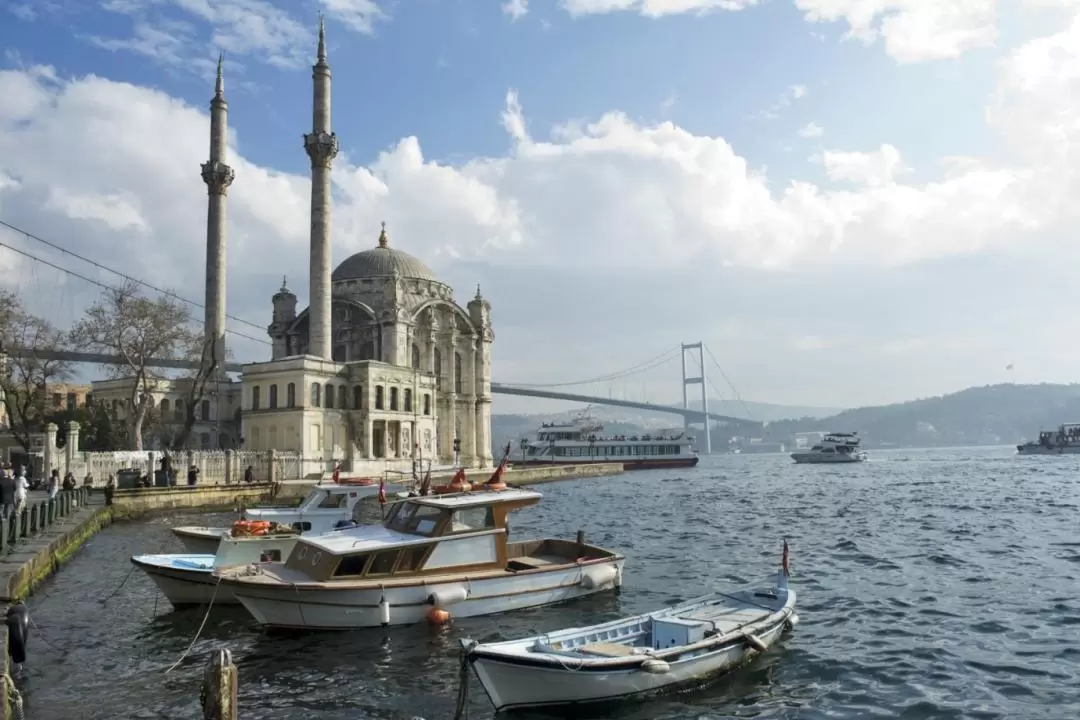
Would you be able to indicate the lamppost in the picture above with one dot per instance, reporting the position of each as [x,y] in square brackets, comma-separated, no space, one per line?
[457,452]
[524,445]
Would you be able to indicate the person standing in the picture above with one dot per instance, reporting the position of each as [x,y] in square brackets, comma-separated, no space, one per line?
[53,485]
[7,490]
[192,475]
[22,487]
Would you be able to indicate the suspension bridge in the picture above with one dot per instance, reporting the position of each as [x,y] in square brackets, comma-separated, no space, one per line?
[694,372]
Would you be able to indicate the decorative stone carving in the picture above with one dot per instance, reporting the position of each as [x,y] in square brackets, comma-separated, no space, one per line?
[427,440]
[322,148]
[218,177]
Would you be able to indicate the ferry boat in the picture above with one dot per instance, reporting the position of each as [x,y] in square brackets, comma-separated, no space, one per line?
[1063,441]
[325,505]
[434,556]
[835,447]
[580,442]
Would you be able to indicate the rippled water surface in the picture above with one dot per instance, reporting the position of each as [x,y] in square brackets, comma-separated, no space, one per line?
[933,584]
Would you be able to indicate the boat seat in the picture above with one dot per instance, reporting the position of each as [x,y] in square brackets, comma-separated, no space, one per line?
[527,563]
[607,649]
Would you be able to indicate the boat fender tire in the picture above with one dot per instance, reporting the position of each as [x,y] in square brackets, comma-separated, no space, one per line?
[655,666]
[18,627]
[447,596]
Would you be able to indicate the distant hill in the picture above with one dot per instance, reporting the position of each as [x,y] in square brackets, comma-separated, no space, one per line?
[764,412]
[992,414]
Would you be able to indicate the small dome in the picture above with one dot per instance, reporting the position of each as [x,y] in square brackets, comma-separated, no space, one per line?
[382,261]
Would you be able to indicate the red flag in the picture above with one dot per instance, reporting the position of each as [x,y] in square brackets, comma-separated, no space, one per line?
[784,561]
[337,473]
[496,477]
[425,486]
[382,491]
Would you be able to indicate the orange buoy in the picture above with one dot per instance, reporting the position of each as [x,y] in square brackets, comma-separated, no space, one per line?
[438,616]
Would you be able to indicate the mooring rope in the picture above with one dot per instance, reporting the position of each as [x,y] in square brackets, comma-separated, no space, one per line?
[199,631]
[15,698]
[461,710]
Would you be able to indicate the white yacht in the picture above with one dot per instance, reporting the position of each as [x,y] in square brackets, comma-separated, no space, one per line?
[434,556]
[324,507]
[835,447]
[580,442]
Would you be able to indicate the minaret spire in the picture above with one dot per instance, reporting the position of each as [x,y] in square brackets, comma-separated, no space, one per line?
[321,145]
[218,176]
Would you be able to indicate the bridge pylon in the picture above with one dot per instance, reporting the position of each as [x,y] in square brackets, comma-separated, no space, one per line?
[696,380]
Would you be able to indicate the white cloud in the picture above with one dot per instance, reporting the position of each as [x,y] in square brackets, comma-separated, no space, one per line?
[358,15]
[811,130]
[613,198]
[652,8]
[790,94]
[913,30]
[516,9]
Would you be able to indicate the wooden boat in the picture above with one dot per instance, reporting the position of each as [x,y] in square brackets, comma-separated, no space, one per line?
[434,557]
[186,579]
[324,507]
[674,648]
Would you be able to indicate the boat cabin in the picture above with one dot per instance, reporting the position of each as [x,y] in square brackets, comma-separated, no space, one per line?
[323,508]
[429,535]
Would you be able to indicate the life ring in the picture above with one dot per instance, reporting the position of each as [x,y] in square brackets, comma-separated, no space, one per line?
[357,481]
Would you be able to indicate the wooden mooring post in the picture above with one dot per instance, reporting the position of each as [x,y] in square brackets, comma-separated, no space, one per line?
[219,686]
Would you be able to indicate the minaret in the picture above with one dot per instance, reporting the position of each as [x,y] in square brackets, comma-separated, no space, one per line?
[322,147]
[218,177]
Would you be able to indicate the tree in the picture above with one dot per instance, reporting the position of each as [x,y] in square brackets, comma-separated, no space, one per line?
[96,431]
[26,375]
[139,331]
[199,383]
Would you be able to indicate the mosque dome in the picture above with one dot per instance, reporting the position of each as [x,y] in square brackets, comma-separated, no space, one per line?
[382,261]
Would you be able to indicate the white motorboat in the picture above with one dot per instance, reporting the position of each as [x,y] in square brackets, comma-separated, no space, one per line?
[675,648]
[434,556]
[325,506]
[186,579]
[835,447]
[1063,441]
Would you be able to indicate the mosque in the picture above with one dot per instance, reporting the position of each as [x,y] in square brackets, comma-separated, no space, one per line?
[384,366]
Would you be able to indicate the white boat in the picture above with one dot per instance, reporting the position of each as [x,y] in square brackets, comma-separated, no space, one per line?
[324,507]
[581,442]
[675,648]
[186,579]
[434,557]
[1063,441]
[835,447]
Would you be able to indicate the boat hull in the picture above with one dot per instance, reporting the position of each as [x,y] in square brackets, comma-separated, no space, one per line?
[643,464]
[838,459]
[1043,450]
[200,540]
[185,587]
[296,607]
[518,685]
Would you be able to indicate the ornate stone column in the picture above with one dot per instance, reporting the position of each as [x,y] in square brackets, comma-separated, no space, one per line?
[369,433]
[71,448]
[50,448]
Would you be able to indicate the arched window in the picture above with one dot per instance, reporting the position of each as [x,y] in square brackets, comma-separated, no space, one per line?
[427,403]
[438,369]
[357,397]
[290,395]
[204,409]
[164,406]
[378,397]
[415,356]
[407,400]
[256,393]
[393,398]
[342,398]
[178,411]
[329,398]
[457,372]
[273,396]
[316,390]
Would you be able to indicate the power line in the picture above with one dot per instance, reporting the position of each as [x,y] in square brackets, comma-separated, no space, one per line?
[104,286]
[734,392]
[664,357]
[143,283]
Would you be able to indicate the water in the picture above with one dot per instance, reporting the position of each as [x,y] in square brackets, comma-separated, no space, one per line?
[933,584]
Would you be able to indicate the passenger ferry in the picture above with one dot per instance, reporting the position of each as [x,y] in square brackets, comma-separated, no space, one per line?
[580,442]
[1063,441]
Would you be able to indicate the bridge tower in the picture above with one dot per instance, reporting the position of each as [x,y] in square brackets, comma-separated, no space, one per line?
[698,380]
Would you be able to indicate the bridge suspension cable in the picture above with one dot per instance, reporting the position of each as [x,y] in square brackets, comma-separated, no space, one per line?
[655,362]
[105,286]
[734,392]
[106,268]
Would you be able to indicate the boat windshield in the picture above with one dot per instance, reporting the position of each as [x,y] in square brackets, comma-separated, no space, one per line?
[415,519]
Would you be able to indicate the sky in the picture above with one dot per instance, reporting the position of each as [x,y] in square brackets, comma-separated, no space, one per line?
[850,202]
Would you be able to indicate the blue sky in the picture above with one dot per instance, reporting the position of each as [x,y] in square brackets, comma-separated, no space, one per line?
[734,168]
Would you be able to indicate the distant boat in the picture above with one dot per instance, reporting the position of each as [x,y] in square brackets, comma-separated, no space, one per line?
[580,442]
[836,447]
[1063,441]
[638,656]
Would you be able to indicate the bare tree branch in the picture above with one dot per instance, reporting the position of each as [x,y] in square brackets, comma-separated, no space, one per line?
[24,380]
[137,329]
